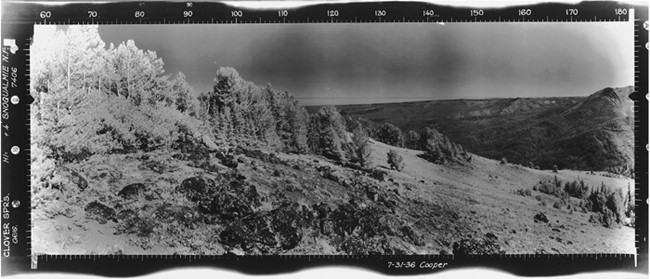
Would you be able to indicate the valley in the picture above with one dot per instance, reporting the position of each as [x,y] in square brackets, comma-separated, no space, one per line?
[585,133]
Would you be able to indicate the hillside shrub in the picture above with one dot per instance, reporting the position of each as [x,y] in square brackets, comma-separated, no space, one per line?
[440,149]
[606,218]
[524,192]
[413,140]
[576,189]
[551,187]
[560,204]
[610,204]
[395,160]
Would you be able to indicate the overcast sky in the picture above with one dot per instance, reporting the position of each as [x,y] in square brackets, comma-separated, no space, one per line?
[366,63]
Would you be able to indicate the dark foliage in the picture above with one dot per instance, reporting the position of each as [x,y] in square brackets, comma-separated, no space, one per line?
[439,149]
[390,134]
[576,189]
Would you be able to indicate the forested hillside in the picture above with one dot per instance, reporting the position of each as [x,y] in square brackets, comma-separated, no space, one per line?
[94,99]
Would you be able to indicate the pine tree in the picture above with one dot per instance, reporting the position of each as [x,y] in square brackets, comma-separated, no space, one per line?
[361,147]
[297,117]
[327,133]
[181,92]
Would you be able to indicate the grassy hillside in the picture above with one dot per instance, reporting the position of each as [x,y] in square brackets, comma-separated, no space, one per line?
[586,133]
[248,201]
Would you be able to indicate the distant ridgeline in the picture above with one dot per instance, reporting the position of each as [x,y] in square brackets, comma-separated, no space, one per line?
[92,99]
[584,133]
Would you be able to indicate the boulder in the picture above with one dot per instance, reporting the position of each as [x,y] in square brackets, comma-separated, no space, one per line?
[229,207]
[126,214]
[230,161]
[287,222]
[132,191]
[169,213]
[412,235]
[78,180]
[195,188]
[104,172]
[62,177]
[155,166]
[279,173]
[209,143]
[379,174]
[100,212]
[249,232]
[540,217]
[477,246]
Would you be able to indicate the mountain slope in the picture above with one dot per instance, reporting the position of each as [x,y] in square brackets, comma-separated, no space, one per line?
[588,133]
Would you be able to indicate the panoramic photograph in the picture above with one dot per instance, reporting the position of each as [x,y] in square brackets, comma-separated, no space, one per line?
[333,139]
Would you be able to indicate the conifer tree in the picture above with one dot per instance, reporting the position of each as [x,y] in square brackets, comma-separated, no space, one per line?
[361,147]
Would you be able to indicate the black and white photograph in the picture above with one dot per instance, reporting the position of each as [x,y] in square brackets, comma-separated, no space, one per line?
[333,139]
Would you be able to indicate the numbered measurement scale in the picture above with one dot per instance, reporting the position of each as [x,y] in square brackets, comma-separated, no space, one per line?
[266,137]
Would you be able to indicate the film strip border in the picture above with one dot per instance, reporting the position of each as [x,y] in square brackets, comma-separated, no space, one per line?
[641,148]
[523,265]
[17,29]
[206,12]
